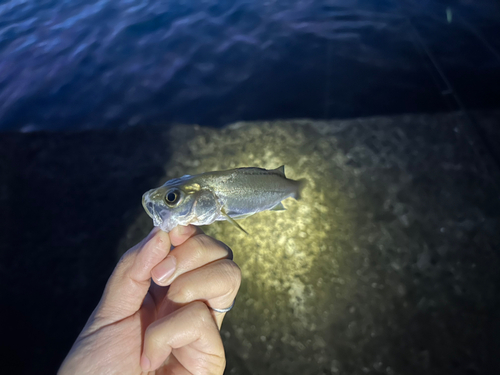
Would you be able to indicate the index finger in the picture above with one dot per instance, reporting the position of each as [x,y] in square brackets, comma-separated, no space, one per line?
[181,234]
[196,251]
[177,236]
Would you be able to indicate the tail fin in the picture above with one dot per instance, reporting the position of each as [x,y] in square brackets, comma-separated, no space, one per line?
[301,184]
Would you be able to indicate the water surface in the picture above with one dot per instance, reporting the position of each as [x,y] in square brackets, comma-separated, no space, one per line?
[97,64]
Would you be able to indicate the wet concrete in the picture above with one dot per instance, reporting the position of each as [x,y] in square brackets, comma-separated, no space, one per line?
[389,264]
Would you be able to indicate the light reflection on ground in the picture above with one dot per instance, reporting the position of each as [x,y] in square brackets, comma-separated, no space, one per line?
[356,276]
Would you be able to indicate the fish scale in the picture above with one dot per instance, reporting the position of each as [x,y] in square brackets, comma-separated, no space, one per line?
[220,195]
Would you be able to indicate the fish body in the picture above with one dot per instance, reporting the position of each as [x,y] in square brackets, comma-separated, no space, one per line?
[221,195]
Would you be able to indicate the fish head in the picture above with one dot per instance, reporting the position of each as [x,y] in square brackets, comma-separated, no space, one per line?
[180,203]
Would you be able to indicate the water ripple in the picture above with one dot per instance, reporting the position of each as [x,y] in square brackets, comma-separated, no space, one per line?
[82,64]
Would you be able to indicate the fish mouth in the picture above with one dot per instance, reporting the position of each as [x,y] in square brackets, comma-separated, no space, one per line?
[149,207]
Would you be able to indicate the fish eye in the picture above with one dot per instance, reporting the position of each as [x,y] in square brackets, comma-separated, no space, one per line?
[172,197]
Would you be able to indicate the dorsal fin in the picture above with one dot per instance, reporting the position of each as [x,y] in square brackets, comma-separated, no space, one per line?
[280,170]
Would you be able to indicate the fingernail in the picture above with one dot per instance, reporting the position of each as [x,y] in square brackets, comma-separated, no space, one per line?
[145,363]
[165,269]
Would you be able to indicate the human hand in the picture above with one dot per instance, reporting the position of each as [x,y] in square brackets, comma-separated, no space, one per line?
[166,326]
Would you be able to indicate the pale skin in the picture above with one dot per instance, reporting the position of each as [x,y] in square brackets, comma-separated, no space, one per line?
[154,316]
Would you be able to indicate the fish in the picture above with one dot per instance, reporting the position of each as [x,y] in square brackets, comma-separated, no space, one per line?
[228,195]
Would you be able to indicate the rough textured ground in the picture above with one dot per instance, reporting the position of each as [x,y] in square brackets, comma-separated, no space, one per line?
[389,265]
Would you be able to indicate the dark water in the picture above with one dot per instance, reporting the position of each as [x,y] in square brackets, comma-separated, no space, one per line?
[100,64]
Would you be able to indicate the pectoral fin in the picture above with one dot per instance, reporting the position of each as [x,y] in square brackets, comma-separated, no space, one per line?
[239,217]
[278,207]
[232,221]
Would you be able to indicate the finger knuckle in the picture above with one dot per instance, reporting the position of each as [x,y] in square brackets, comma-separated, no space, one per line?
[227,249]
[153,336]
[214,364]
[232,275]
[202,243]
[180,293]
[200,312]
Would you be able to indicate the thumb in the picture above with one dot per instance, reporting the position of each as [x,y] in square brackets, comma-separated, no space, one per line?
[130,281]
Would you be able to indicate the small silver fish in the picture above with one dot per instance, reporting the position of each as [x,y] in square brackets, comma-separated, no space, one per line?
[221,195]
